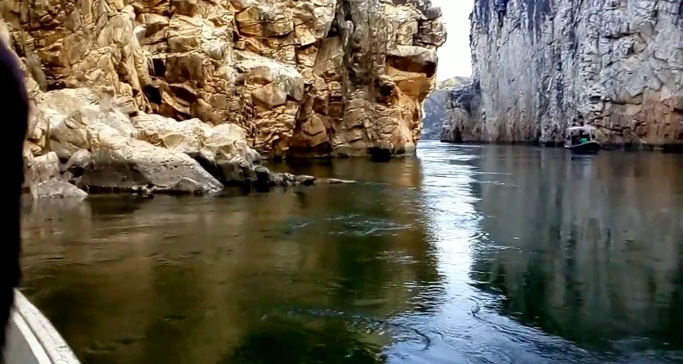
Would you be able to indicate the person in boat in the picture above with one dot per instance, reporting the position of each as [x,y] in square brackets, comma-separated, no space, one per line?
[14,106]
[584,137]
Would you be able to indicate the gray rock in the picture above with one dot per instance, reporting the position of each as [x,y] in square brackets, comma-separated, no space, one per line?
[56,188]
[263,178]
[277,179]
[306,180]
[230,172]
[42,168]
[123,164]
[78,162]
[206,160]
[253,157]
[248,171]
[334,181]
[543,65]
[463,111]
[436,106]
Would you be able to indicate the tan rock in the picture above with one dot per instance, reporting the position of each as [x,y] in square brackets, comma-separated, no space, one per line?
[283,72]
[193,137]
[270,96]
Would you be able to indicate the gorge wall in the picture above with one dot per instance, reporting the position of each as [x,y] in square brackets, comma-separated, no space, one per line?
[219,80]
[543,65]
[312,77]
[435,107]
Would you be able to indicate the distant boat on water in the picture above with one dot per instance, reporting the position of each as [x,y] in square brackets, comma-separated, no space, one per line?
[582,140]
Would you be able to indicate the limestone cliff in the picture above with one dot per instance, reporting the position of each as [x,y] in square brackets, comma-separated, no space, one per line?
[541,65]
[435,107]
[299,77]
[435,114]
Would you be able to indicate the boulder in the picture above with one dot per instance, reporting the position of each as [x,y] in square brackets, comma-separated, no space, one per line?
[56,188]
[120,163]
[78,163]
[193,137]
[232,172]
[69,135]
[42,168]
[263,178]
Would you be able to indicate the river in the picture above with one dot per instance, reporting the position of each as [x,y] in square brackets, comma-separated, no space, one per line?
[565,259]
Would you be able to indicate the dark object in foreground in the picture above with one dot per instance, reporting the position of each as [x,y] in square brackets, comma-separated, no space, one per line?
[582,140]
[14,105]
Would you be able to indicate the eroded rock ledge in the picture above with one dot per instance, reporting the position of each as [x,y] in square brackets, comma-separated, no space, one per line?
[541,65]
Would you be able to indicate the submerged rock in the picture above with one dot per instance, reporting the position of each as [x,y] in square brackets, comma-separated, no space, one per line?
[334,181]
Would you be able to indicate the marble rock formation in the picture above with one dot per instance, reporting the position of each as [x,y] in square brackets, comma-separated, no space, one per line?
[302,78]
[543,65]
[105,149]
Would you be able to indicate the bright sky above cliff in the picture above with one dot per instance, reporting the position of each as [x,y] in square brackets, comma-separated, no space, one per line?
[454,56]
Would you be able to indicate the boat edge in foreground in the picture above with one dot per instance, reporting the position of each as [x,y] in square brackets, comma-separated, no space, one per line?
[31,338]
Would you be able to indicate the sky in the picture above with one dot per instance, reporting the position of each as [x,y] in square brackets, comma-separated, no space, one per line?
[454,56]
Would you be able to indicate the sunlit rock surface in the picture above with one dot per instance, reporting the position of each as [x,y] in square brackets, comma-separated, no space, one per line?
[300,78]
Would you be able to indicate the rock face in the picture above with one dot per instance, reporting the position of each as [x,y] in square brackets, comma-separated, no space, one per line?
[435,114]
[301,78]
[435,107]
[541,65]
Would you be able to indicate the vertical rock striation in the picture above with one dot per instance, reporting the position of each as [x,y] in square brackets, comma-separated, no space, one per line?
[541,65]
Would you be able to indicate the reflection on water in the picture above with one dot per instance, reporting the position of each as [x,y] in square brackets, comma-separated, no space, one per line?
[585,248]
[570,259]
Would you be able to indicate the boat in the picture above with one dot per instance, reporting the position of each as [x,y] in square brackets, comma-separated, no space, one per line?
[582,140]
[31,338]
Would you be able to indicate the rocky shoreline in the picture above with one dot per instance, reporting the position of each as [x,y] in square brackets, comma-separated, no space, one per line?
[95,147]
[98,148]
[187,96]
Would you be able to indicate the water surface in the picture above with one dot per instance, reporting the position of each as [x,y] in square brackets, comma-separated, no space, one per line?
[567,259]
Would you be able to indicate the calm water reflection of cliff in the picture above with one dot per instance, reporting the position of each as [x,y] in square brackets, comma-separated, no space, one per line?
[569,259]
[586,248]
